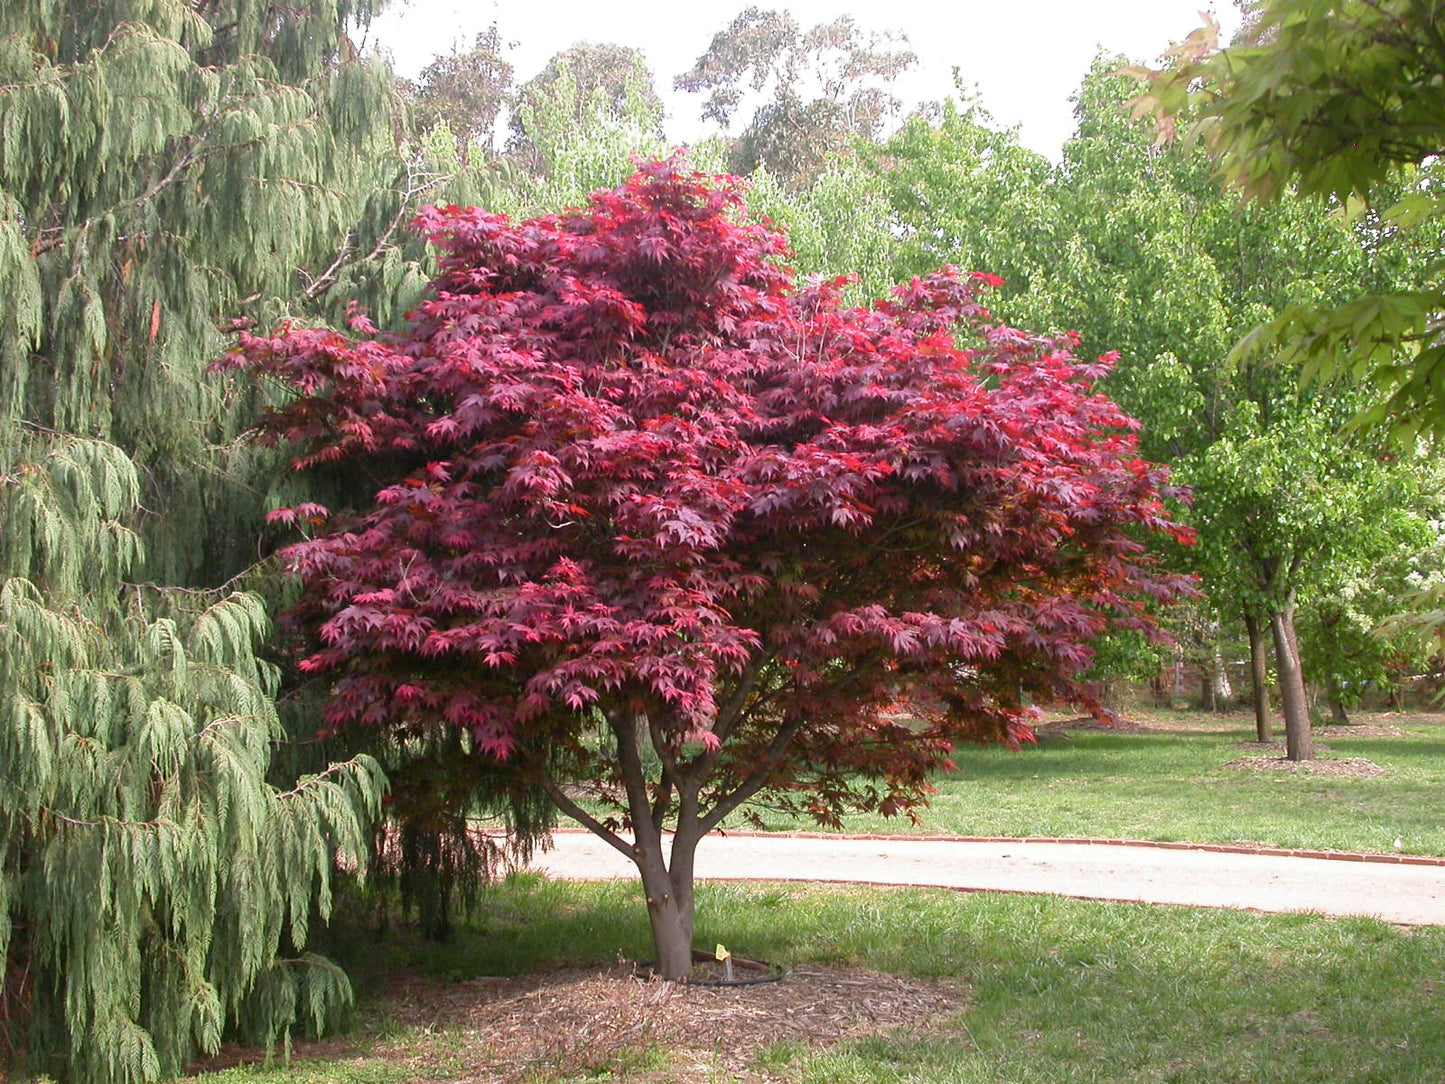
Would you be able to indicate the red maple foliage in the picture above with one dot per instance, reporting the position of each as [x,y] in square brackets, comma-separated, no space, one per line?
[642,489]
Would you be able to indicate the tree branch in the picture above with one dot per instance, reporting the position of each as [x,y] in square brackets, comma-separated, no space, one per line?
[582,817]
[755,781]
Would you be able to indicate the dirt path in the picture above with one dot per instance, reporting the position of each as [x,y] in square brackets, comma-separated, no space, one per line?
[1400,892]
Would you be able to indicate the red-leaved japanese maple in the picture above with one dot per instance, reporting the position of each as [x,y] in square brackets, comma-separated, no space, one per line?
[641,489]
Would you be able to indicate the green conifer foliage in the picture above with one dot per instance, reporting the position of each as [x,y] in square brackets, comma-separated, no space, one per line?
[153,884]
[165,166]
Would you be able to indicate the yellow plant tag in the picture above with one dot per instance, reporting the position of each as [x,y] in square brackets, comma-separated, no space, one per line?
[722,953]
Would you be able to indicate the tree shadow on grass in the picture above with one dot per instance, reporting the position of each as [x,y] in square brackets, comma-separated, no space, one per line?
[1063,990]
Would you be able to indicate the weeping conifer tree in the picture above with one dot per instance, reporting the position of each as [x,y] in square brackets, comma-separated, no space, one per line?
[167,166]
[154,884]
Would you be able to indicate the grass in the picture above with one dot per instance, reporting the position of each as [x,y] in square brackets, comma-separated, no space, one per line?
[1062,990]
[1175,787]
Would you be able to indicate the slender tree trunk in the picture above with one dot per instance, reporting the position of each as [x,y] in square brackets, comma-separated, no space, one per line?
[1335,695]
[667,879]
[1214,687]
[1160,690]
[1207,700]
[1298,737]
[1259,677]
[668,873]
[671,903]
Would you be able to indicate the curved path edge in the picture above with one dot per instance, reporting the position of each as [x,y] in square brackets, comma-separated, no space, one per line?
[1395,888]
[1166,845]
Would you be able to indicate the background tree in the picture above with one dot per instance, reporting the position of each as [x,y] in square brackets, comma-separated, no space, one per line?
[603,79]
[1341,100]
[817,90]
[575,131]
[636,482]
[1290,513]
[466,91]
[1138,247]
[963,191]
[838,226]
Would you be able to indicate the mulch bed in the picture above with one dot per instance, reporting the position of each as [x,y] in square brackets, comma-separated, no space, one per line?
[1361,730]
[1346,767]
[1275,746]
[587,1020]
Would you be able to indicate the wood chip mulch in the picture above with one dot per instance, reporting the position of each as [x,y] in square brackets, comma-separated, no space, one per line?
[1275,746]
[1361,730]
[584,1020]
[1346,767]
[587,1021]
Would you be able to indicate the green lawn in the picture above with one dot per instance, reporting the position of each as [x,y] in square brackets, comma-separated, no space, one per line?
[1175,786]
[1052,990]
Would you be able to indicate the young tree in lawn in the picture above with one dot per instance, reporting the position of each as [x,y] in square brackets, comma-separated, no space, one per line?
[634,481]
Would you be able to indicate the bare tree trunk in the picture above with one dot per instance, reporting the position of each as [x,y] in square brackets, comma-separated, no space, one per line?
[1259,678]
[1160,690]
[1333,693]
[1214,687]
[668,873]
[1298,737]
[671,903]
[1208,701]
[667,879]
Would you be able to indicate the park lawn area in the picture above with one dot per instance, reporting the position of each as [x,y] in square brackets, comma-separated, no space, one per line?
[1172,783]
[967,988]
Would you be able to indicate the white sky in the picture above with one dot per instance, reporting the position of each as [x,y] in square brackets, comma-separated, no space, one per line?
[1026,57]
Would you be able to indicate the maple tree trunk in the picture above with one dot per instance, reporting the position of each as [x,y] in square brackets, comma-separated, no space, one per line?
[1298,737]
[667,878]
[1259,678]
[671,903]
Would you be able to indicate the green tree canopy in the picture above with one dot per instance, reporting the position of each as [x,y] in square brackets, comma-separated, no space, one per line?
[1342,100]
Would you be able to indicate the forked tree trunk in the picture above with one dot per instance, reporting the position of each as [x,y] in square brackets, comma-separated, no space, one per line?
[667,872]
[667,878]
[671,903]
[1298,737]
[1259,677]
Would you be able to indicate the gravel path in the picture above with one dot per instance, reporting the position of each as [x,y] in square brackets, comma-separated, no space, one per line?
[1399,892]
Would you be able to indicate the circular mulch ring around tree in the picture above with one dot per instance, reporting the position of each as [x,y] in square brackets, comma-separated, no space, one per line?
[1360,730]
[568,1021]
[1344,767]
[587,1021]
[1276,747]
